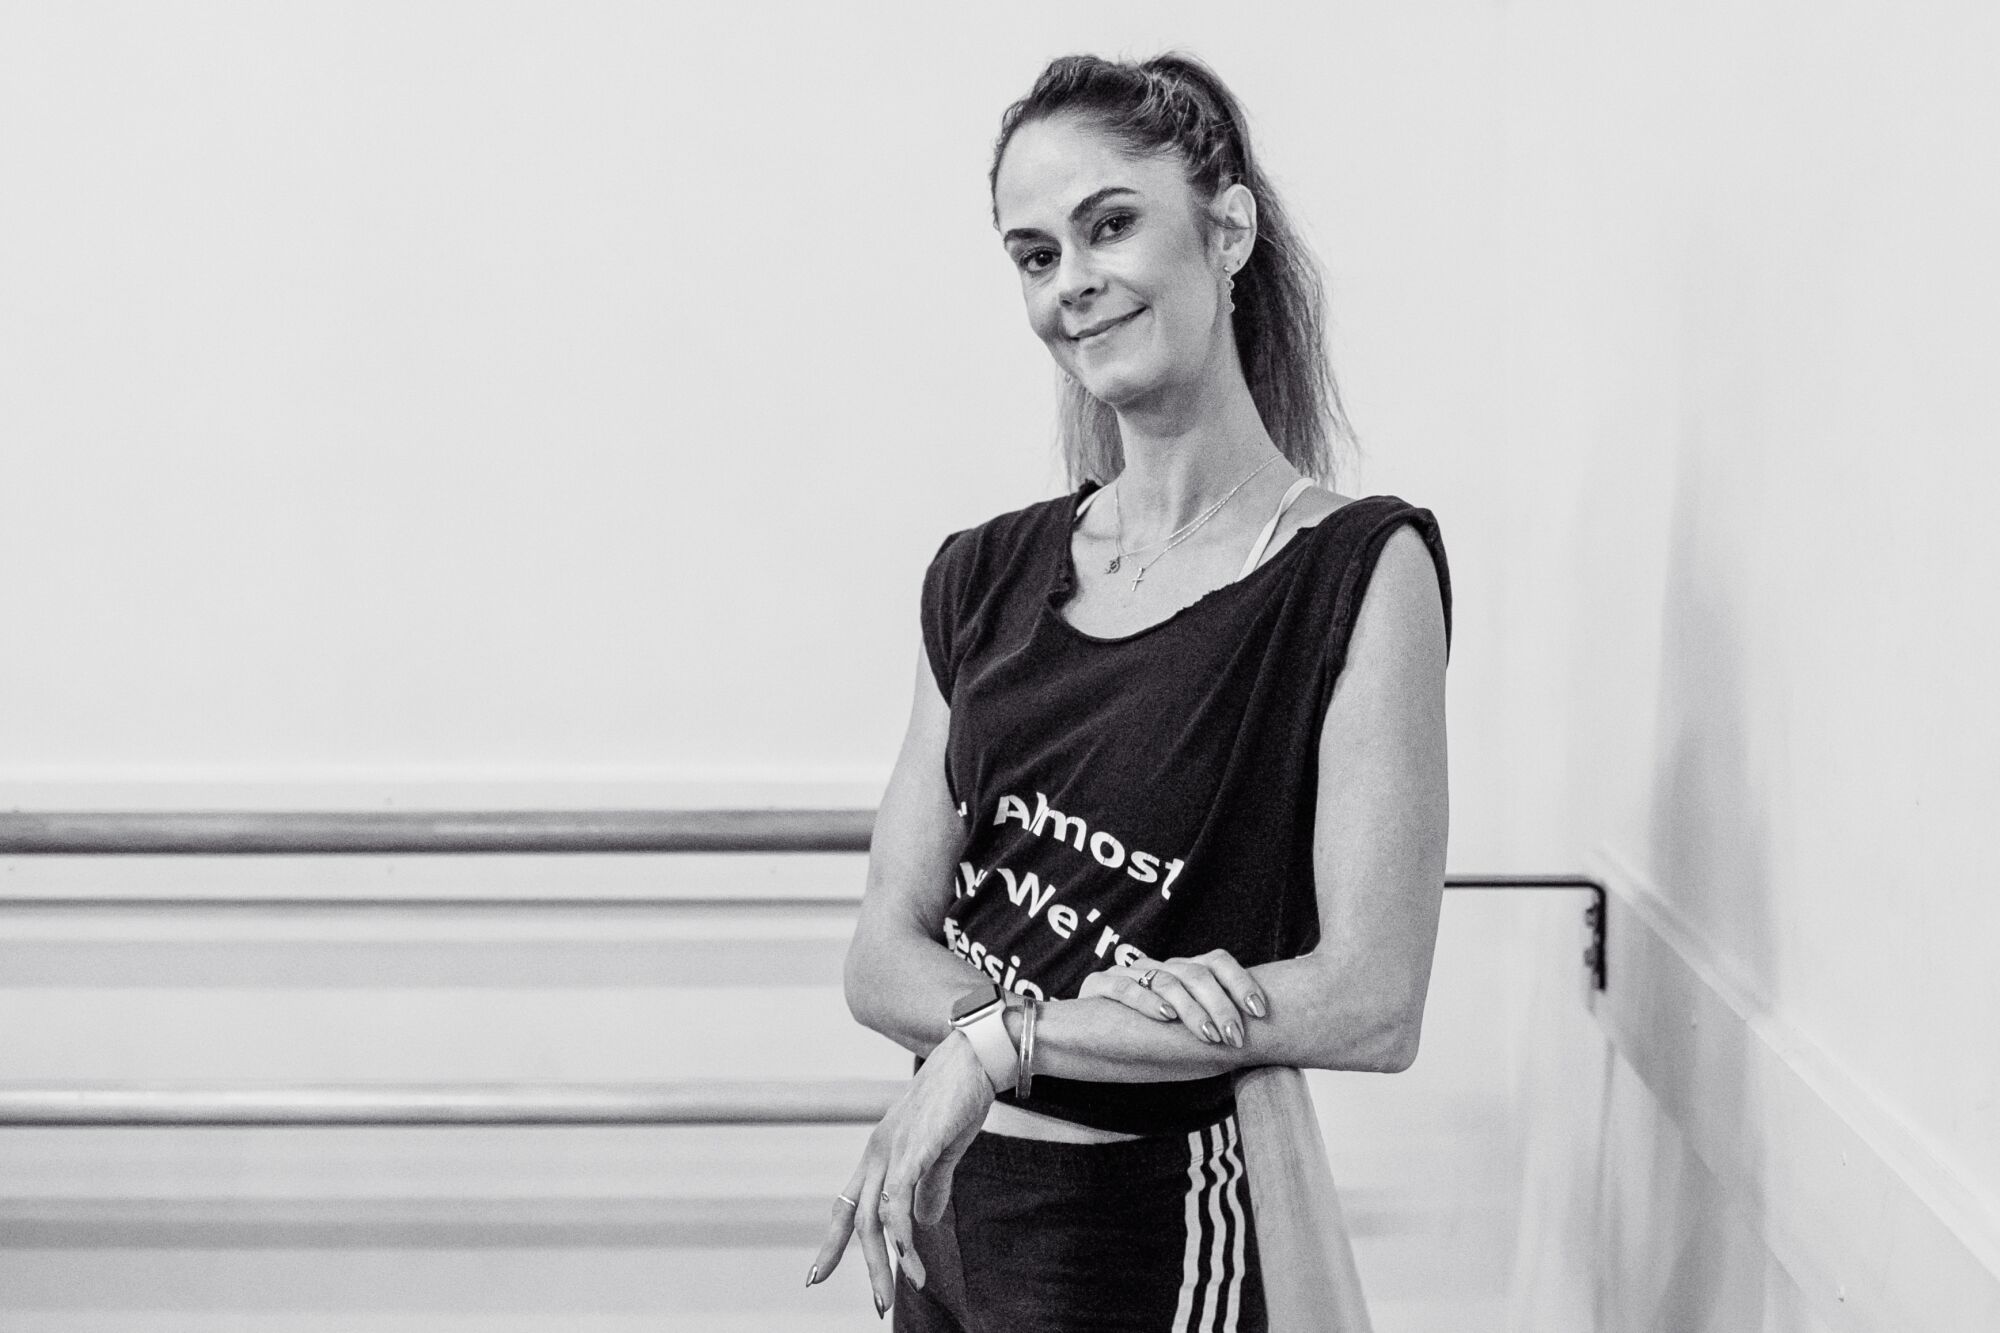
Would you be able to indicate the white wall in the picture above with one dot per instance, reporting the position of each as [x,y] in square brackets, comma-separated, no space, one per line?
[1750,292]
[576,391]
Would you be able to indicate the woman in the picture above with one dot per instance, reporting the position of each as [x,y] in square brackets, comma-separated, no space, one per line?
[1172,799]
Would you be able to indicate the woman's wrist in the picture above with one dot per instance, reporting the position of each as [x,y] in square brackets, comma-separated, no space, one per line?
[957,1048]
[981,1016]
[1097,1039]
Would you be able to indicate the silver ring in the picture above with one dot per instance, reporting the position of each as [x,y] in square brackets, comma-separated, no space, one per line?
[849,1202]
[1147,980]
[885,1196]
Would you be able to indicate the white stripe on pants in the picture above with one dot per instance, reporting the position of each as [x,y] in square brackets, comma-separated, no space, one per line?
[1215,1184]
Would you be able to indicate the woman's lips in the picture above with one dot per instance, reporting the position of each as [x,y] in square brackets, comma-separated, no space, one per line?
[1118,323]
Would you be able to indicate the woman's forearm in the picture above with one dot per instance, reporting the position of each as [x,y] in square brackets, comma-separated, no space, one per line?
[904,989]
[1311,1021]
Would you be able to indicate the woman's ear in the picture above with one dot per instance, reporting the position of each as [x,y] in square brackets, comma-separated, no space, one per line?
[1234,211]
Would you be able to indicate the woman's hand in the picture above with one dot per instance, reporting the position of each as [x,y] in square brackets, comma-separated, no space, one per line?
[1209,993]
[905,1174]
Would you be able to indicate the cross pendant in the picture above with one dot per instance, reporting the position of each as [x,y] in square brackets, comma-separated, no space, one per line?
[1135,578]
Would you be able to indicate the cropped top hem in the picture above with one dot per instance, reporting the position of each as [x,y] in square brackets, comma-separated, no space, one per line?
[1177,1107]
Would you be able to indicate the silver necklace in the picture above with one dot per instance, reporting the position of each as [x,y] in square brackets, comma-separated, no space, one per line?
[1185,528]
[1118,559]
[1181,534]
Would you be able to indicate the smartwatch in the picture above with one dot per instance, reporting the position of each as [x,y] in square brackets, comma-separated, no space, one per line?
[981,1014]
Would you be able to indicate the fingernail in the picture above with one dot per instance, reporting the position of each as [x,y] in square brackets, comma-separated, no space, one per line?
[813,1276]
[880,1309]
[1208,1030]
[1166,1011]
[1235,1035]
[1256,1004]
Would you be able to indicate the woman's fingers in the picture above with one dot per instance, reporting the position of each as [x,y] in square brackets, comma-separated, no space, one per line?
[1201,1002]
[898,1213]
[1125,989]
[881,1275]
[1122,985]
[1236,979]
[834,1247]
[1210,994]
[928,1129]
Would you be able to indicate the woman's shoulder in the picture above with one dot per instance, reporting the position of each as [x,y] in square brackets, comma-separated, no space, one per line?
[1321,502]
[1317,503]
[1344,527]
[1384,542]
[1365,519]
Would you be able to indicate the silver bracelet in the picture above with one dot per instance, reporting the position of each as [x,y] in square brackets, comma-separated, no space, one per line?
[1024,1074]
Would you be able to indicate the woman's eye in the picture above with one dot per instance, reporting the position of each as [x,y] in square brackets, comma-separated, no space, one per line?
[1113,226]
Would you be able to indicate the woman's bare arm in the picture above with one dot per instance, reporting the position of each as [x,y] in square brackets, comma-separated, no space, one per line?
[1355,1002]
[1382,818]
[900,978]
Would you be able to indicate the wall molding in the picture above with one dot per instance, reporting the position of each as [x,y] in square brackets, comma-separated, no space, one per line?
[1875,1229]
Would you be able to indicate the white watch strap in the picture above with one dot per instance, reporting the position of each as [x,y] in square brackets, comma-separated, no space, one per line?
[994,1047]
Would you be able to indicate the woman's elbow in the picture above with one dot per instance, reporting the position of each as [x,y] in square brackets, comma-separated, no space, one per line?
[1401,1050]
[1403,1031]
[1366,1026]
[857,983]
[1386,1044]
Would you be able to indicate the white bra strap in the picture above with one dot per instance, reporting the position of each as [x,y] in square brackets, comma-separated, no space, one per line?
[1264,538]
[1088,501]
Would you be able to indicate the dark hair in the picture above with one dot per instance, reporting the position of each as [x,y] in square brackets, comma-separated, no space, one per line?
[1175,103]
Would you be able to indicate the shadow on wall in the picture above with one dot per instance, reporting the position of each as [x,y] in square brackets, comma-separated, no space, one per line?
[1623,1227]
[1709,856]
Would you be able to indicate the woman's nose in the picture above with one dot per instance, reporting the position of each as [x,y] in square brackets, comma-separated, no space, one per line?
[1076,279]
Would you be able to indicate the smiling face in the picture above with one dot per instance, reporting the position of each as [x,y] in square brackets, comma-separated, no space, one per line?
[1120,274]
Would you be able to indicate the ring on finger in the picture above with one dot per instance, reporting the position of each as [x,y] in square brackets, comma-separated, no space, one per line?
[851,1203]
[1147,980]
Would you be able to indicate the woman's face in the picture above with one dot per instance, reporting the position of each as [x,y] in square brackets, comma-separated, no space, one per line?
[1121,284]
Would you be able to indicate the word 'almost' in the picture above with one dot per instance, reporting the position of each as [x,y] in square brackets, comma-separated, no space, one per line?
[1103,847]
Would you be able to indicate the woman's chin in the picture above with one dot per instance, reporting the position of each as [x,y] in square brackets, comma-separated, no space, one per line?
[1117,391]
[1112,389]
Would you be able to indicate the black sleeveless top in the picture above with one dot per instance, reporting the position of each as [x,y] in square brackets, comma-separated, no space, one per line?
[1149,795]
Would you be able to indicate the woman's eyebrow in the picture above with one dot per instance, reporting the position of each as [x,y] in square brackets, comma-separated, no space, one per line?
[1083,206]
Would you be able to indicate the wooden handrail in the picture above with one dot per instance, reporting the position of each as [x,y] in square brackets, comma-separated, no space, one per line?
[444,832]
[399,832]
[826,1102]
[208,833]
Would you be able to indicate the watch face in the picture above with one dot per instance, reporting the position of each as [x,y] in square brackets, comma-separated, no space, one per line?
[974,1000]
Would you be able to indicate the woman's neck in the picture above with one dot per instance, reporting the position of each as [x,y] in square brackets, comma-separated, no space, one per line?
[1178,463]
